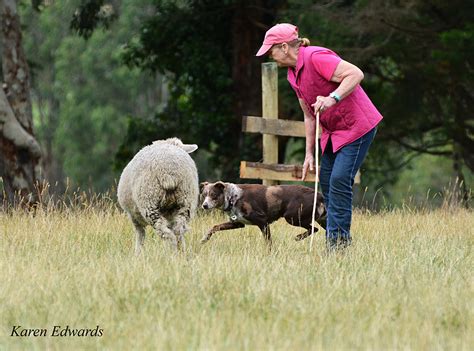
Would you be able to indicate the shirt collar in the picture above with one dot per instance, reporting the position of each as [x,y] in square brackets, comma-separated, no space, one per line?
[299,61]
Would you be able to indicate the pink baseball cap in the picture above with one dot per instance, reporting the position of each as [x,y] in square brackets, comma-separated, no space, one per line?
[279,33]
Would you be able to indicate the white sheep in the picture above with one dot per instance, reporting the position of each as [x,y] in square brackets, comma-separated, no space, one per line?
[159,187]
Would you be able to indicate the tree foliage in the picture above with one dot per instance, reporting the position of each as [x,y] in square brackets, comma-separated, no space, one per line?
[20,170]
[417,56]
[207,50]
[91,14]
[92,112]
[83,93]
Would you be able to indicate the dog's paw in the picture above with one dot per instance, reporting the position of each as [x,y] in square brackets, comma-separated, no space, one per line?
[205,239]
[302,236]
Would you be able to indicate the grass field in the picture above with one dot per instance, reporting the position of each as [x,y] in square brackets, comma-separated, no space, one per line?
[406,283]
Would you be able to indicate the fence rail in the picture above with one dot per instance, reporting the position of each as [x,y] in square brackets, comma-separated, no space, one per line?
[257,170]
[271,127]
[280,127]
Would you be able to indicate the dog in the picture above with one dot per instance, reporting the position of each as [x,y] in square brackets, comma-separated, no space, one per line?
[261,205]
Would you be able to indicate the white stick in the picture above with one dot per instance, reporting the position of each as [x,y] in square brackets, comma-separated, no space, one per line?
[316,165]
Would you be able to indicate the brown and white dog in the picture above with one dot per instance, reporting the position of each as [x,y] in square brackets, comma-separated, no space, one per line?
[262,205]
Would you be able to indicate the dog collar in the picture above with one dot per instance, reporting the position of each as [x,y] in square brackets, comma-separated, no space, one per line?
[229,208]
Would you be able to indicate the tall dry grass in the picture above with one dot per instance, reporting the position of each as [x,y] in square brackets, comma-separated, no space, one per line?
[406,283]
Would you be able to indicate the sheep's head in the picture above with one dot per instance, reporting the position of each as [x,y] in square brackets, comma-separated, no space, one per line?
[177,142]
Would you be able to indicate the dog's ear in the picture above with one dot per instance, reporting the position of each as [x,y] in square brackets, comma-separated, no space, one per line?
[202,185]
[230,195]
[220,185]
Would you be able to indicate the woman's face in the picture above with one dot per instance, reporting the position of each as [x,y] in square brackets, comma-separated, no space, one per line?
[280,53]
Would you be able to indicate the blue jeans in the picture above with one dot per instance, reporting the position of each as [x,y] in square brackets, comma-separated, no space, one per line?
[337,174]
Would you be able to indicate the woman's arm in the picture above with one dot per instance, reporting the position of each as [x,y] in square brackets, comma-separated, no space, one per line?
[349,76]
[310,131]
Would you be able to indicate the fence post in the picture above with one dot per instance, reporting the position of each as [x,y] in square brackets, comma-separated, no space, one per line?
[270,110]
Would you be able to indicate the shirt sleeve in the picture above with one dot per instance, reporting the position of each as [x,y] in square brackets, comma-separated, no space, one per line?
[325,63]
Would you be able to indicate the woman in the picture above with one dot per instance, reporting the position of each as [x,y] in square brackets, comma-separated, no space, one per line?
[326,83]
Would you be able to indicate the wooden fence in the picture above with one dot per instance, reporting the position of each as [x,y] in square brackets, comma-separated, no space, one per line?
[270,126]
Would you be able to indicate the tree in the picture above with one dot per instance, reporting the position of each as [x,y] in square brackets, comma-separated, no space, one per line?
[82,93]
[20,167]
[417,56]
[422,54]
[207,49]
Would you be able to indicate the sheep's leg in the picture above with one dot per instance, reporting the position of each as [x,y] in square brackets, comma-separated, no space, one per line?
[181,243]
[139,236]
[161,226]
[180,227]
[180,222]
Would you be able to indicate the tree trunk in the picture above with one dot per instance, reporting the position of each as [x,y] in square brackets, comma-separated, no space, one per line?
[250,21]
[20,152]
[52,159]
[460,189]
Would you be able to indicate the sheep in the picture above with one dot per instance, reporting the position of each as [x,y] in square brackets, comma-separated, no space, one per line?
[160,187]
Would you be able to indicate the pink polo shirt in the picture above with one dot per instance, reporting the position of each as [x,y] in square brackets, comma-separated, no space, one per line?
[349,119]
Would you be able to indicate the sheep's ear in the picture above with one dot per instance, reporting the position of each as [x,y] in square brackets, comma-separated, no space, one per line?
[190,148]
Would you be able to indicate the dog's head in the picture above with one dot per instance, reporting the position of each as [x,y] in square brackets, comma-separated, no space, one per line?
[213,195]
[219,195]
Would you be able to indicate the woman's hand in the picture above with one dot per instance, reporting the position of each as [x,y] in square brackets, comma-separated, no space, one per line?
[308,163]
[323,103]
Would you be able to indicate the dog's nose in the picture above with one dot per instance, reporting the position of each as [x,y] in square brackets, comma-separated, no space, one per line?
[205,206]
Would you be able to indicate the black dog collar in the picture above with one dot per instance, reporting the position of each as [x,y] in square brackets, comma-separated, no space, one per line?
[228,208]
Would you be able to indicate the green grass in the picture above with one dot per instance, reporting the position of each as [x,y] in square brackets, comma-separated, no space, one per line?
[406,283]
